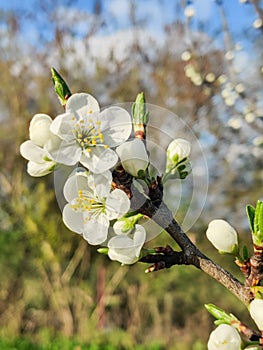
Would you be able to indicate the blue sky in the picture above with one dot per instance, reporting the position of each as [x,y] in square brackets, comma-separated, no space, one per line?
[156,13]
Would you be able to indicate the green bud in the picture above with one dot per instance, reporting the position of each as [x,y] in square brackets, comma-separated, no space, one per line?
[103,251]
[221,315]
[126,224]
[139,115]
[60,87]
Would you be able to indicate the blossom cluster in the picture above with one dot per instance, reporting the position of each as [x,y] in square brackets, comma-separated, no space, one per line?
[94,142]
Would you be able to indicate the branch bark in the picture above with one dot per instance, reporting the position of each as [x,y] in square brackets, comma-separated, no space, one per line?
[153,207]
[191,254]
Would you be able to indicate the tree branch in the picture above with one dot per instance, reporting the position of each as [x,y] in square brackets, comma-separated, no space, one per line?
[190,254]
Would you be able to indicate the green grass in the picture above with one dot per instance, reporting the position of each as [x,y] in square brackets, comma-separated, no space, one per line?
[64,344]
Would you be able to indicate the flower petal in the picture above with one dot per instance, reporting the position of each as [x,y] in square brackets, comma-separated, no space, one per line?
[39,131]
[100,183]
[82,103]
[63,126]
[117,204]
[116,125]
[99,159]
[40,169]
[133,156]
[73,219]
[30,151]
[77,181]
[96,230]
[139,239]
[121,249]
[68,153]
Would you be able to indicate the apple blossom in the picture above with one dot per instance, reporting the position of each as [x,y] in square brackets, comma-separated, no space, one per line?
[133,156]
[91,204]
[88,134]
[256,312]
[224,337]
[42,142]
[223,236]
[126,248]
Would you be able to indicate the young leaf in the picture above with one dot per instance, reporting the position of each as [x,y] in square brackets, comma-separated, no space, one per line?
[251,215]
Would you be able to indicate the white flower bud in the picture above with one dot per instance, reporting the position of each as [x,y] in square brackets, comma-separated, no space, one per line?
[120,227]
[39,129]
[224,337]
[223,236]
[126,249]
[256,312]
[177,150]
[133,156]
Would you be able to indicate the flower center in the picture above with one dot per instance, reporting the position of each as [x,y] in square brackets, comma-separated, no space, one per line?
[89,134]
[89,204]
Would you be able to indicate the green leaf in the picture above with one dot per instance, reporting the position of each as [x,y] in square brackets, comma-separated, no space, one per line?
[251,215]
[60,86]
[258,225]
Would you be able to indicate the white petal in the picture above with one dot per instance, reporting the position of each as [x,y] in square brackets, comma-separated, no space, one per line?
[73,219]
[224,337]
[256,312]
[133,156]
[30,151]
[99,159]
[222,235]
[52,144]
[117,204]
[83,104]
[39,131]
[64,125]
[121,249]
[77,181]
[96,230]
[69,153]
[40,169]
[139,239]
[100,183]
[116,125]
[179,147]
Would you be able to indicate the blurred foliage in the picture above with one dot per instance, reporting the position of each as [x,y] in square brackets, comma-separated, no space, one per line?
[54,287]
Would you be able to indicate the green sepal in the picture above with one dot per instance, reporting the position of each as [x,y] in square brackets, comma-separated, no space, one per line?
[251,215]
[145,252]
[60,86]
[221,315]
[245,254]
[103,251]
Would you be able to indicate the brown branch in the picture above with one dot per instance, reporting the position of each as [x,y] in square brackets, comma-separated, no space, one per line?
[153,207]
[191,255]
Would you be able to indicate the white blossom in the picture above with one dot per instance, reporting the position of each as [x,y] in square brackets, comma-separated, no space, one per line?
[177,150]
[126,248]
[88,134]
[256,312]
[38,149]
[223,236]
[133,156]
[91,205]
[224,337]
